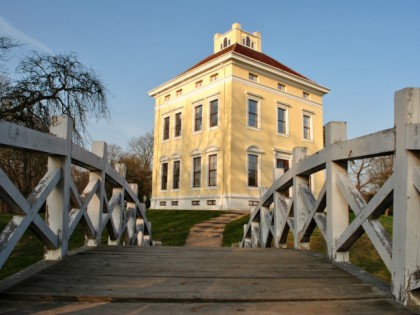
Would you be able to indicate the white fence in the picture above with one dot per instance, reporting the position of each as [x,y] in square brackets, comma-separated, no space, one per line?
[123,216]
[276,215]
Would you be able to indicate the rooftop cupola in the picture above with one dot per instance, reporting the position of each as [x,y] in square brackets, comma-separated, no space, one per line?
[237,35]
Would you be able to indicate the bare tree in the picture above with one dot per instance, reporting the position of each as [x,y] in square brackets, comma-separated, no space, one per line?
[136,173]
[358,171]
[45,86]
[139,161]
[381,169]
[369,175]
[54,85]
[142,147]
[114,153]
[6,46]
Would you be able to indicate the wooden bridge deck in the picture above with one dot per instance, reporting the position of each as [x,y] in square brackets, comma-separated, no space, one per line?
[182,280]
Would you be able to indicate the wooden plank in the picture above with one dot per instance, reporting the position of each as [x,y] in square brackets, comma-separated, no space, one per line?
[20,137]
[360,307]
[189,289]
[376,144]
[185,280]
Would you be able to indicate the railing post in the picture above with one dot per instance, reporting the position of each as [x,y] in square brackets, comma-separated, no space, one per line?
[406,236]
[299,209]
[337,208]
[117,213]
[95,206]
[58,202]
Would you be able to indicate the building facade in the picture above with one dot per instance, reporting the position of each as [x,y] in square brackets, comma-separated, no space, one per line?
[226,127]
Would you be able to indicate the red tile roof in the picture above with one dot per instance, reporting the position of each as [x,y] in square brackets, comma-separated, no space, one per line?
[250,53]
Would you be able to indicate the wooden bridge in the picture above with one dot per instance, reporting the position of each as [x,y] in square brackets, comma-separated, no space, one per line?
[188,280]
[159,280]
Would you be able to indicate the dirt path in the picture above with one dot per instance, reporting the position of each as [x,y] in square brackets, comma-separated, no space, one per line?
[210,233]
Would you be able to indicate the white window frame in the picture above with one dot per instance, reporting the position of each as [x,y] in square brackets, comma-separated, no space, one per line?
[214,77]
[212,150]
[258,100]
[163,127]
[281,89]
[286,118]
[252,77]
[254,150]
[163,161]
[311,126]
[173,173]
[195,155]
[209,100]
[282,155]
[174,125]
[195,105]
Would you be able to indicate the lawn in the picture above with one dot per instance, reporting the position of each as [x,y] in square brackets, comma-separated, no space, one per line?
[171,227]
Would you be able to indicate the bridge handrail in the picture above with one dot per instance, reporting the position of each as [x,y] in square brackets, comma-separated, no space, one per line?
[276,215]
[123,215]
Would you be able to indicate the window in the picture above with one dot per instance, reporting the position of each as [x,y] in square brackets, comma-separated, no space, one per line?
[284,164]
[174,202]
[225,42]
[253,203]
[252,113]
[195,202]
[179,92]
[252,170]
[281,120]
[162,203]
[177,172]
[167,97]
[248,41]
[166,128]
[281,87]
[211,202]
[214,77]
[164,177]
[252,77]
[307,127]
[198,84]
[214,113]
[305,95]
[197,172]
[178,125]
[198,118]
[213,170]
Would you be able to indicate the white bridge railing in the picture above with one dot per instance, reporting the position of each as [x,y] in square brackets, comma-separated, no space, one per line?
[276,214]
[122,215]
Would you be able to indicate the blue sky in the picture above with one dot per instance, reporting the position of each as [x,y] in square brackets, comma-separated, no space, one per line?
[363,51]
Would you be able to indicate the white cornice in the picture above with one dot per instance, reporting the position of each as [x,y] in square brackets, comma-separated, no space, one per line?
[274,91]
[260,66]
[191,94]
[237,79]
[232,57]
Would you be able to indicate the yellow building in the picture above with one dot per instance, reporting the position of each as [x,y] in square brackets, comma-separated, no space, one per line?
[226,126]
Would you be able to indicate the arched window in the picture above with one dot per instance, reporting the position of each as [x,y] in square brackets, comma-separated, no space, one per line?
[225,42]
[248,41]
